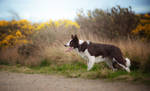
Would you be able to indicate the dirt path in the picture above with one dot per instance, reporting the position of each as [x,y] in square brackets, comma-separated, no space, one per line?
[37,82]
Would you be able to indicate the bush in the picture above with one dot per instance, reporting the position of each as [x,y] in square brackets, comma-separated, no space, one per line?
[143,28]
[114,23]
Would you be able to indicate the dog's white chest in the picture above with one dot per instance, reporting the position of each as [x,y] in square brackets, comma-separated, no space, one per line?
[82,54]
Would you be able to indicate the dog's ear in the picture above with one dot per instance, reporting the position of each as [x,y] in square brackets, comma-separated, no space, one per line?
[76,36]
[72,36]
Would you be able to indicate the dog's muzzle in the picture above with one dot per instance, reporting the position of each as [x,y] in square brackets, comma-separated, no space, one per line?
[65,45]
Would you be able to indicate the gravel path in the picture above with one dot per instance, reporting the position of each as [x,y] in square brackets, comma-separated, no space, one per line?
[37,82]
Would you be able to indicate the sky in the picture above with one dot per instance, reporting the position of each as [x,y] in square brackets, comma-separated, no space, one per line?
[43,10]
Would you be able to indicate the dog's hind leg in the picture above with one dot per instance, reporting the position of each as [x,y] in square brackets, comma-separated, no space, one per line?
[123,66]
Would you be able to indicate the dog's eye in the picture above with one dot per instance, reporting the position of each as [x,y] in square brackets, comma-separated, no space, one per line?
[71,43]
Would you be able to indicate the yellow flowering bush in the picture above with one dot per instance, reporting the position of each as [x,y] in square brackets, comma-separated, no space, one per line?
[16,32]
[3,23]
[7,41]
[143,28]
[13,32]
[59,23]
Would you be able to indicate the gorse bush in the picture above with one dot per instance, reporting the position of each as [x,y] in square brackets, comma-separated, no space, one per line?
[14,32]
[143,28]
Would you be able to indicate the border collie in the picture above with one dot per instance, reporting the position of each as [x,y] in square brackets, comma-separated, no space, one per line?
[95,53]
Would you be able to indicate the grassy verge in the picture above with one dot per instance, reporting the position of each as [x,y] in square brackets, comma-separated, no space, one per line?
[79,69]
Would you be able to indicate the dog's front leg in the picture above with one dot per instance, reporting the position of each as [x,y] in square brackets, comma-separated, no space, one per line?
[91,62]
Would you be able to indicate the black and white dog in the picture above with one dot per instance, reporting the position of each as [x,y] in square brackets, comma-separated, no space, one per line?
[95,53]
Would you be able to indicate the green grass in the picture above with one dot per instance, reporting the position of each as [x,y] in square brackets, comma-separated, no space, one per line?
[79,69]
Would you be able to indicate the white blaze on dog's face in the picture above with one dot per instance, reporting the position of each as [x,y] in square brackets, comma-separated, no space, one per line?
[68,44]
[73,43]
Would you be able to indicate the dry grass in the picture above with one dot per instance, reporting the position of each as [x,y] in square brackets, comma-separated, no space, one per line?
[51,48]
[11,56]
[136,50]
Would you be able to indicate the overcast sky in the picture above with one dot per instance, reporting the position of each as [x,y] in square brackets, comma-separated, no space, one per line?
[43,10]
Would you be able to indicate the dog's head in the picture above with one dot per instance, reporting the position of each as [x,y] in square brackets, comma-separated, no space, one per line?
[73,43]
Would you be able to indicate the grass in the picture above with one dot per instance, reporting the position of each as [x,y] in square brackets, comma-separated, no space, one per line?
[79,69]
